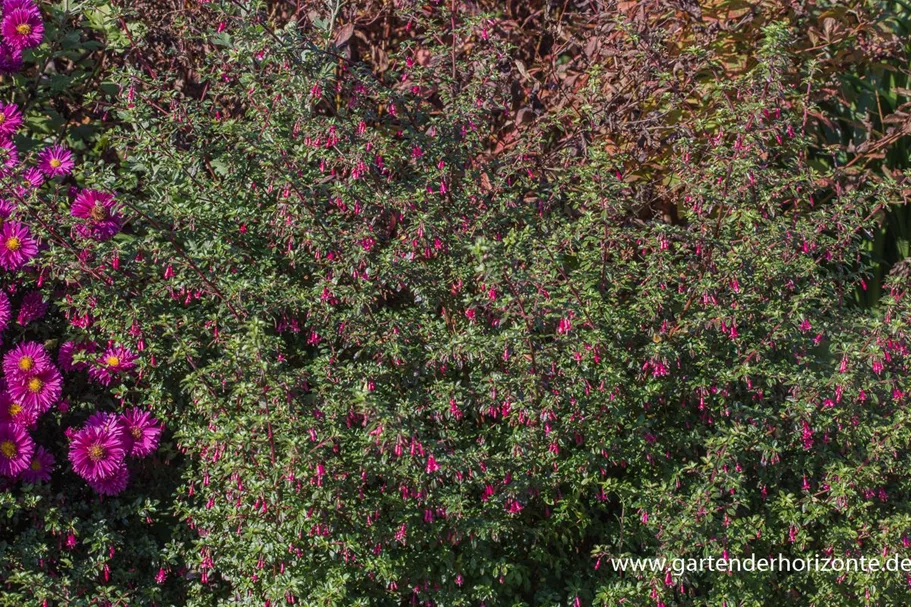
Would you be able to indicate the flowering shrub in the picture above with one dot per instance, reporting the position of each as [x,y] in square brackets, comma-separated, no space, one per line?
[420,373]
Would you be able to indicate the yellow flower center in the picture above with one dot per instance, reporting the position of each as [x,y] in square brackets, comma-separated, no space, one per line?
[137,433]
[35,385]
[99,212]
[26,363]
[2,117]
[24,29]
[13,243]
[8,449]
[36,465]
[15,409]
[112,361]
[96,453]
[55,163]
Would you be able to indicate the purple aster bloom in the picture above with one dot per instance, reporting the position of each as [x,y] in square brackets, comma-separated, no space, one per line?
[5,312]
[10,59]
[14,412]
[114,362]
[65,357]
[56,161]
[17,246]
[98,210]
[26,359]
[113,484]
[6,209]
[41,390]
[103,418]
[39,470]
[143,429]
[12,5]
[9,156]
[31,179]
[96,452]
[22,28]
[68,349]
[16,448]
[10,118]
[33,307]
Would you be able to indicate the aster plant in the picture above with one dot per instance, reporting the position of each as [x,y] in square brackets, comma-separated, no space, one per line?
[85,506]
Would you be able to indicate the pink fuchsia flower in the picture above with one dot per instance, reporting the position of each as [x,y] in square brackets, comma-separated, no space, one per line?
[96,452]
[10,59]
[143,429]
[33,307]
[40,468]
[14,412]
[56,161]
[68,349]
[16,449]
[98,209]
[17,247]
[22,28]
[9,157]
[10,118]
[25,359]
[115,361]
[40,390]
[113,484]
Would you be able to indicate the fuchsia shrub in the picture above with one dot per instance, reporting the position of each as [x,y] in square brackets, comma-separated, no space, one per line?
[421,374]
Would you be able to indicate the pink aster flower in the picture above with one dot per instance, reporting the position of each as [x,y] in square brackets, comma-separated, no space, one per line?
[96,452]
[98,209]
[6,311]
[17,247]
[6,209]
[10,118]
[22,28]
[25,359]
[33,307]
[115,362]
[11,5]
[30,179]
[10,59]
[16,448]
[113,484]
[39,470]
[104,418]
[68,349]
[144,431]
[40,390]
[9,157]
[56,161]
[14,412]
